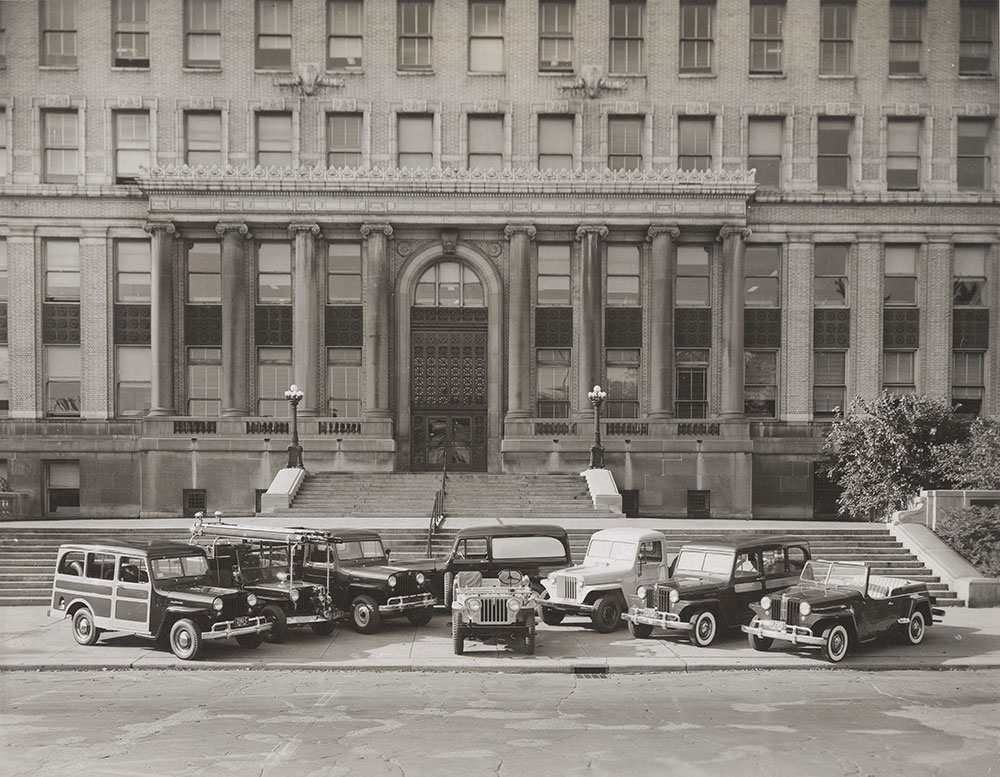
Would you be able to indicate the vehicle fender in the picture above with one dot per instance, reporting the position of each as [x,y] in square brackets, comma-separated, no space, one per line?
[822,622]
[180,610]
[595,593]
[374,591]
[75,605]
[687,607]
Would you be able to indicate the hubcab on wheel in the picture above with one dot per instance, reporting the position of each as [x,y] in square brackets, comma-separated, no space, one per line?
[184,639]
[83,626]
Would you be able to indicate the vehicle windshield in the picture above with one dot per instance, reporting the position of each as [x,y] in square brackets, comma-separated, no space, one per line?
[704,563]
[603,551]
[179,566]
[263,563]
[835,573]
[360,552]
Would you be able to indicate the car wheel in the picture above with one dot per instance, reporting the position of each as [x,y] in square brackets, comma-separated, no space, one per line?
[457,638]
[249,641]
[323,628]
[763,644]
[279,623]
[607,614]
[449,584]
[84,630]
[529,639]
[835,644]
[185,639]
[704,628]
[420,617]
[551,617]
[913,632]
[364,615]
[640,630]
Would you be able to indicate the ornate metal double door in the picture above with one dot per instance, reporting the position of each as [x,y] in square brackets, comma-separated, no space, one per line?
[448,388]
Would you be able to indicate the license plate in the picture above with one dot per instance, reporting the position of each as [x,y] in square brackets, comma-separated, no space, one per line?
[649,612]
[773,625]
[241,621]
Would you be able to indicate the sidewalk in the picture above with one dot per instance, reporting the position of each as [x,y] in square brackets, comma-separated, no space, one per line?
[966,639]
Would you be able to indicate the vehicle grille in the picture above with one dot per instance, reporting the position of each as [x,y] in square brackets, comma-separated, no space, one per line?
[784,609]
[406,585]
[663,600]
[233,606]
[566,588]
[493,611]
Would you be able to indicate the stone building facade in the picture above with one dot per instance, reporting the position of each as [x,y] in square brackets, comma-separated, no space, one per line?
[446,220]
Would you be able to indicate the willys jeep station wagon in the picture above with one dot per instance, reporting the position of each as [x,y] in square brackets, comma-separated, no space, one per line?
[262,560]
[713,584]
[153,589]
[501,608]
[617,561]
[838,603]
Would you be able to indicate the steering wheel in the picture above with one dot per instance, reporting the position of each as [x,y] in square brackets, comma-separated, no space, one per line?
[509,577]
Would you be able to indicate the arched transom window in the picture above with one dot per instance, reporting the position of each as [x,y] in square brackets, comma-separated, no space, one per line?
[450,285]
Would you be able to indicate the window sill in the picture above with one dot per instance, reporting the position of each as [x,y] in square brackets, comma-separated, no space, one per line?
[838,76]
[205,69]
[977,77]
[556,73]
[771,76]
[697,75]
[345,72]
[130,68]
[58,67]
[487,74]
[272,71]
[637,76]
[907,77]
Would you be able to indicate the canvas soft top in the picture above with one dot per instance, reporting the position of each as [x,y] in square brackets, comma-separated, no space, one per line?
[747,542]
[513,530]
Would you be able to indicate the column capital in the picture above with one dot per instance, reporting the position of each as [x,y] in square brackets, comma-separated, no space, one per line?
[294,229]
[662,229]
[153,226]
[729,230]
[528,229]
[233,226]
[585,229]
[367,229]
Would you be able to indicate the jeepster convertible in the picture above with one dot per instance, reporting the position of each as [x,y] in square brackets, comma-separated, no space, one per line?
[500,608]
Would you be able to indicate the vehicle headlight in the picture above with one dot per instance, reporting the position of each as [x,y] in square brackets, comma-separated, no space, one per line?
[675,595]
[420,578]
[765,603]
[392,581]
[513,605]
[283,576]
[217,604]
[252,600]
[294,594]
[805,608]
[642,592]
[473,604]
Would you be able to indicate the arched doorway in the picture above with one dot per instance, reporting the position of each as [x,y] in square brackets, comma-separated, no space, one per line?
[449,380]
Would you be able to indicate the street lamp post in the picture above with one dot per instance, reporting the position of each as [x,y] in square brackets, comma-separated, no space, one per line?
[294,396]
[597,396]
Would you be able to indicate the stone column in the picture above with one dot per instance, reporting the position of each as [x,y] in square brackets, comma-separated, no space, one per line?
[376,321]
[25,351]
[797,328]
[589,325]
[866,310]
[663,258]
[935,340]
[733,250]
[161,309]
[519,320]
[307,281]
[235,317]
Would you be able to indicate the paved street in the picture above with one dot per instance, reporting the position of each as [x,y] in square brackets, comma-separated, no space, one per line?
[330,724]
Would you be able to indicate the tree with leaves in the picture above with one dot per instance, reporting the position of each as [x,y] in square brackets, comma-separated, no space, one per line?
[974,463]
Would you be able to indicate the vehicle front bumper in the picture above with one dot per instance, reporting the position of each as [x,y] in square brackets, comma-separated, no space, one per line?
[566,606]
[650,616]
[404,603]
[797,635]
[255,624]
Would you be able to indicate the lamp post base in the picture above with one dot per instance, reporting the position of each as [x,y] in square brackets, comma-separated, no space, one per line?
[597,457]
[295,456]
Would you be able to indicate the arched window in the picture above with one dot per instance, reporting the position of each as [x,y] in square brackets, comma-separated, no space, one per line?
[450,285]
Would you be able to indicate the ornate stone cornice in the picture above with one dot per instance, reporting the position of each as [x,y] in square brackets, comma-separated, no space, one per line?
[527,229]
[585,229]
[661,229]
[729,231]
[233,226]
[294,229]
[367,229]
[152,226]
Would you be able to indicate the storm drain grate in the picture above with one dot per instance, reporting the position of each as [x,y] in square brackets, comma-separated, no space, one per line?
[593,672]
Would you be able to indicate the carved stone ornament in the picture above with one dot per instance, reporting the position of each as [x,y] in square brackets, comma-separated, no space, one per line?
[584,229]
[307,79]
[658,229]
[727,231]
[492,250]
[528,229]
[233,226]
[294,229]
[449,240]
[152,226]
[591,82]
[367,229]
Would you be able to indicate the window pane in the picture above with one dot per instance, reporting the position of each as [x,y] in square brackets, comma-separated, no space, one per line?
[553,290]
[486,55]
[899,291]
[555,135]
[486,135]
[900,260]
[762,292]
[205,257]
[692,260]
[692,292]
[274,257]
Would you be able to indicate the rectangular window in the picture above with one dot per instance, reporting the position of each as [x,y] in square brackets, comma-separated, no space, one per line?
[762,281]
[760,389]
[62,270]
[764,150]
[62,488]
[204,381]
[555,35]
[274,274]
[902,164]
[4,382]
[692,383]
[274,139]
[973,154]
[555,142]
[553,274]
[694,150]
[416,141]
[833,161]
[343,140]
[274,376]
[3,270]
[130,33]
[692,277]
[62,381]
[767,24]
[132,271]
[60,146]
[3,36]
[552,373]
[696,37]
[836,38]
[969,281]
[414,30]
[343,382]
[133,379]
[967,383]
[625,142]
[274,35]
[202,33]
[3,132]
[343,273]
[830,275]
[829,382]
[58,30]
[628,21]
[486,142]
[977,28]
[897,375]
[131,144]
[900,282]
[623,276]
[623,382]
[204,272]
[345,34]
[203,138]
[486,36]
[905,38]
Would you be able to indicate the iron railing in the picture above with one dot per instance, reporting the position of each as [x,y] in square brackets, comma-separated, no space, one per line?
[437,512]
